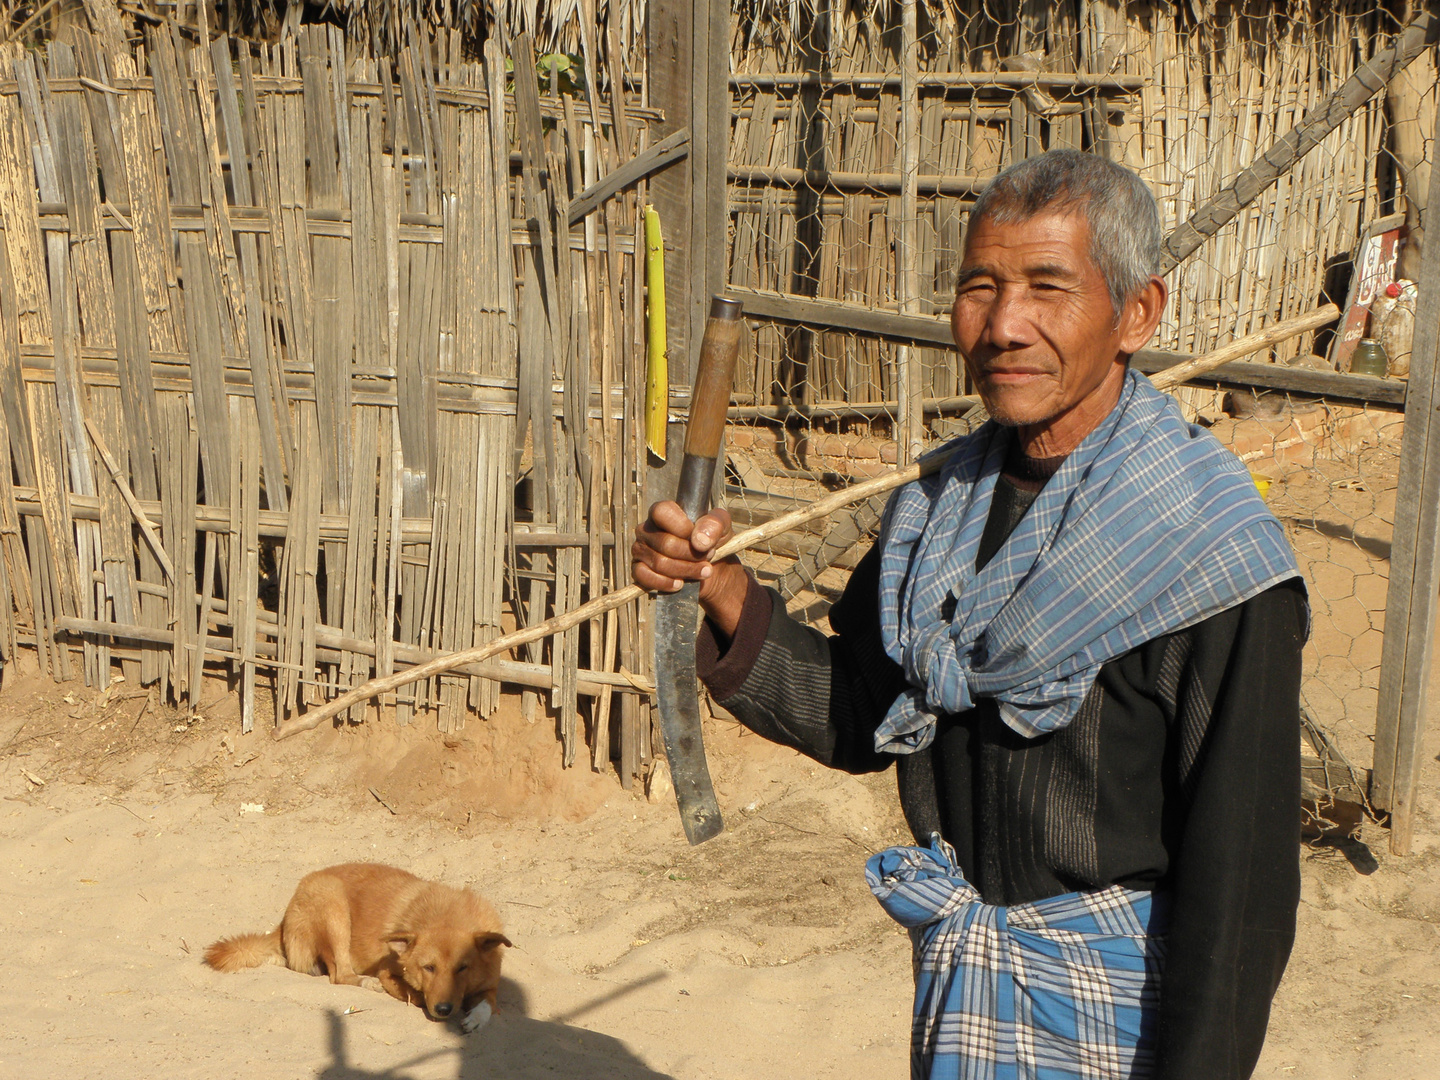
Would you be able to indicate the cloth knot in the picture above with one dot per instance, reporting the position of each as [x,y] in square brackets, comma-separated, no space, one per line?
[1150,525]
[1066,988]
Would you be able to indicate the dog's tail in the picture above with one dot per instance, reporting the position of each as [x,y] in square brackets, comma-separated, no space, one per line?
[245,951]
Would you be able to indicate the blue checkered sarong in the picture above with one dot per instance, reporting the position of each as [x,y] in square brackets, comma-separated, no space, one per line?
[1061,989]
[1150,526]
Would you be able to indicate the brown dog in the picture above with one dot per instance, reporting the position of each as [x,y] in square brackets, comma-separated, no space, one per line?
[427,944]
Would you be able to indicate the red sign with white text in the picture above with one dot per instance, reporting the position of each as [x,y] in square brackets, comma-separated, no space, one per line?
[1373,271]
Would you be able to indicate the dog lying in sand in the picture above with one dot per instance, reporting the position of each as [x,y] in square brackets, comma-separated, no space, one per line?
[425,943]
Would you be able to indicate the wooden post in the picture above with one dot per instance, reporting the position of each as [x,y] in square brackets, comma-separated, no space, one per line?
[910,426]
[688,79]
[1410,605]
[709,155]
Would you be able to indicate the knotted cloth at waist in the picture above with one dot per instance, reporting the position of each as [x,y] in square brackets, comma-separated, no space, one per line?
[1067,987]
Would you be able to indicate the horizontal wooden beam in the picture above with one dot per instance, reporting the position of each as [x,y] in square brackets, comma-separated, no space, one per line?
[843,410]
[1016,80]
[274,524]
[331,643]
[841,315]
[1332,385]
[444,93]
[821,315]
[884,183]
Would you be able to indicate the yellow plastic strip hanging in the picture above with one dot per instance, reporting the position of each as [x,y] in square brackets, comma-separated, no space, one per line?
[657,368]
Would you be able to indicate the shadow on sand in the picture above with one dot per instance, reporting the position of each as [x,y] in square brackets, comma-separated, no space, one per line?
[513,1046]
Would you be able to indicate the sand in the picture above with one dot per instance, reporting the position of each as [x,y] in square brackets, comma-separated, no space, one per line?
[130,839]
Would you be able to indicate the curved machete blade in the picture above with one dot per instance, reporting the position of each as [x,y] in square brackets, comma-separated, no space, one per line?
[677,617]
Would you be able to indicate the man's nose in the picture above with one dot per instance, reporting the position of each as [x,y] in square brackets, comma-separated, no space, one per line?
[1007,323]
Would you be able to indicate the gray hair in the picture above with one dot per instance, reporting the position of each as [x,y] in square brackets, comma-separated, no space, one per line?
[1120,210]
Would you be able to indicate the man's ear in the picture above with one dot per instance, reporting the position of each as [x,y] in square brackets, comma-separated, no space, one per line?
[400,944]
[487,941]
[1142,315]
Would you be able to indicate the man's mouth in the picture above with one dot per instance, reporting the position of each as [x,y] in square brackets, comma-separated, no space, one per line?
[1013,375]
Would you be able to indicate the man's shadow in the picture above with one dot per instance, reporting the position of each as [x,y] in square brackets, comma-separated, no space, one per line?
[513,1046]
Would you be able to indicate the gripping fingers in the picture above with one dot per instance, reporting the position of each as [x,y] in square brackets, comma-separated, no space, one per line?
[663,573]
[670,550]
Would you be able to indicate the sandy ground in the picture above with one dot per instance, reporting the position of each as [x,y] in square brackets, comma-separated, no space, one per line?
[130,839]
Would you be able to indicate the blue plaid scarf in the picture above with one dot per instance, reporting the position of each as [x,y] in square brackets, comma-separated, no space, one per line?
[1062,989]
[1150,526]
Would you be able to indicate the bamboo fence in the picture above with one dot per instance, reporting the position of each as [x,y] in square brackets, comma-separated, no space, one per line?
[306,373]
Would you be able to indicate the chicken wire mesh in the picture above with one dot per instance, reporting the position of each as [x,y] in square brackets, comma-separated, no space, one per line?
[851,178]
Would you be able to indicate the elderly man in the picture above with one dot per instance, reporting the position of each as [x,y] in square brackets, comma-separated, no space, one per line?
[1080,645]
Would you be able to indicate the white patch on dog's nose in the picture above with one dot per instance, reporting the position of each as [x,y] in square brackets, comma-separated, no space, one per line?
[476,1018]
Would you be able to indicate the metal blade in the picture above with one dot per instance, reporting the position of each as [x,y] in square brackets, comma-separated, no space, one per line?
[677,617]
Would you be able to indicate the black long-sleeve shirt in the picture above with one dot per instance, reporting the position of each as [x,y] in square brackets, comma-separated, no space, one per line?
[1181,772]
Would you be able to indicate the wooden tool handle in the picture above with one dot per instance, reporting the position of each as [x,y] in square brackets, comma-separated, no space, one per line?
[710,397]
[709,400]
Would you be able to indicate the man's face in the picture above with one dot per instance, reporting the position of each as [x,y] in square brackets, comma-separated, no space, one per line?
[1033,319]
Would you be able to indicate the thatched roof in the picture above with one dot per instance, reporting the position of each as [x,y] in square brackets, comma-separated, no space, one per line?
[556,26]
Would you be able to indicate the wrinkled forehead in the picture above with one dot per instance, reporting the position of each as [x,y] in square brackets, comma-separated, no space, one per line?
[1046,240]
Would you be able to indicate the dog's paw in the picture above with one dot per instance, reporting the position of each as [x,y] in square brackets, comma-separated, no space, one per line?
[476,1018]
[370,982]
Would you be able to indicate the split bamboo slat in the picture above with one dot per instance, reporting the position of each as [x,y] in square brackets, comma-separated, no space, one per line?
[306,374]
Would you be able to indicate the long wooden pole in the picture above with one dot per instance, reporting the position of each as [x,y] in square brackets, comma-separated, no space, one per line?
[910,417]
[749,538]
[1411,603]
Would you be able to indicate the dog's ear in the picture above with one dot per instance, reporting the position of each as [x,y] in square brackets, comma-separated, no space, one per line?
[400,943]
[489,940]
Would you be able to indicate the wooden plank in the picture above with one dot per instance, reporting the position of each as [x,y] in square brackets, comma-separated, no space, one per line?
[179,489]
[14,568]
[910,423]
[19,212]
[333,283]
[116,524]
[128,182]
[269,390]
[210,543]
[1411,601]
[15,451]
[143,179]
[54,173]
[356,609]
[669,150]
[544,313]
[299,602]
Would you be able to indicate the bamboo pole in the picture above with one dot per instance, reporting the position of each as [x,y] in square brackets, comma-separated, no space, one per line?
[910,418]
[749,538]
[147,527]
[1300,140]
[1251,343]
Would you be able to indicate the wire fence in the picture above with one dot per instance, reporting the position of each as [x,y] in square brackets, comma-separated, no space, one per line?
[860,137]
